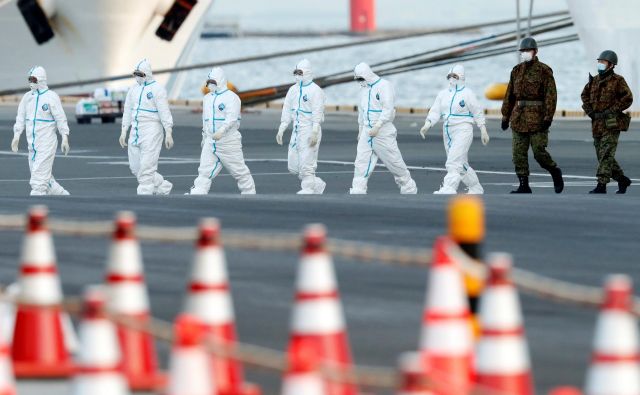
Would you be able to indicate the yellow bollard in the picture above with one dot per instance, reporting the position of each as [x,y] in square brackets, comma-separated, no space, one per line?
[467,229]
[496,91]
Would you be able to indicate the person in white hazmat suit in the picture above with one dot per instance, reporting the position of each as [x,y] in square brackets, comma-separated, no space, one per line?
[377,134]
[146,112]
[40,113]
[304,105]
[459,108]
[221,139]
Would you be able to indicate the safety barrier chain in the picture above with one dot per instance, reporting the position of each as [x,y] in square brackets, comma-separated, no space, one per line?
[528,282]
[541,286]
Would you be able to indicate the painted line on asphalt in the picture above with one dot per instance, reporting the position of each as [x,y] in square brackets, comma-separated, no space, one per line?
[175,176]
[177,160]
[442,169]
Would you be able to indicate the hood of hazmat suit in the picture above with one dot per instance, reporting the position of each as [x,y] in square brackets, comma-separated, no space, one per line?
[459,71]
[218,75]
[39,73]
[145,67]
[307,73]
[363,70]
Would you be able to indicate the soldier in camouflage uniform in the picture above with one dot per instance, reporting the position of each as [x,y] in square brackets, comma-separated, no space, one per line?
[529,106]
[604,99]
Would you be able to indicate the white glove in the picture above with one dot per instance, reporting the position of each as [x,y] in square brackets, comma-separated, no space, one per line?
[220,132]
[484,136]
[315,135]
[375,129]
[281,129]
[168,138]
[14,142]
[64,146]
[123,138]
[425,128]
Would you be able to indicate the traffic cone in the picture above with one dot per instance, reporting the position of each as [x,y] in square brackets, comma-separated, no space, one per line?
[502,355]
[303,373]
[413,380]
[318,328]
[8,312]
[447,340]
[98,363]
[615,364]
[128,299]
[565,391]
[190,364]
[7,381]
[8,319]
[209,300]
[38,349]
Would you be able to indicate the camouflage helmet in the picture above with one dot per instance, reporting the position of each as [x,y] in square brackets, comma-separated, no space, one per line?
[528,43]
[609,56]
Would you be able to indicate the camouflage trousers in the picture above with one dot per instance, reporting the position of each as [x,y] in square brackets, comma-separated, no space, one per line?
[538,142]
[608,168]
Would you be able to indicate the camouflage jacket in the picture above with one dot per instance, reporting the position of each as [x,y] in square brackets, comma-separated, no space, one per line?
[533,82]
[605,95]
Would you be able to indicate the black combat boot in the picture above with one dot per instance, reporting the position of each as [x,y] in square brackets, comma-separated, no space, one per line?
[558,182]
[524,185]
[623,184]
[600,188]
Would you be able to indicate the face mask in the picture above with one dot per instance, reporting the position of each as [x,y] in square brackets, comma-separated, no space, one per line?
[139,80]
[212,87]
[33,86]
[602,68]
[453,82]
[526,56]
[298,78]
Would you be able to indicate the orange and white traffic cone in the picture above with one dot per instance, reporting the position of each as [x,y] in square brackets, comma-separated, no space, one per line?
[502,354]
[317,328]
[8,312]
[303,373]
[209,299]
[446,342]
[128,299]
[99,362]
[565,391]
[190,364]
[38,349]
[7,380]
[615,364]
[413,379]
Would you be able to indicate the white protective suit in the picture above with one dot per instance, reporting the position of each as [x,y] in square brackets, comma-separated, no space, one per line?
[376,113]
[40,112]
[222,142]
[146,111]
[304,105]
[459,108]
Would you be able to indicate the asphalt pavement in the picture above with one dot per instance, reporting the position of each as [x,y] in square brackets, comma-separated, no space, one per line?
[572,236]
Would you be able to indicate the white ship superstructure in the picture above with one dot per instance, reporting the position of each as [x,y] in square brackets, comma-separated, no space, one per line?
[611,24]
[96,38]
